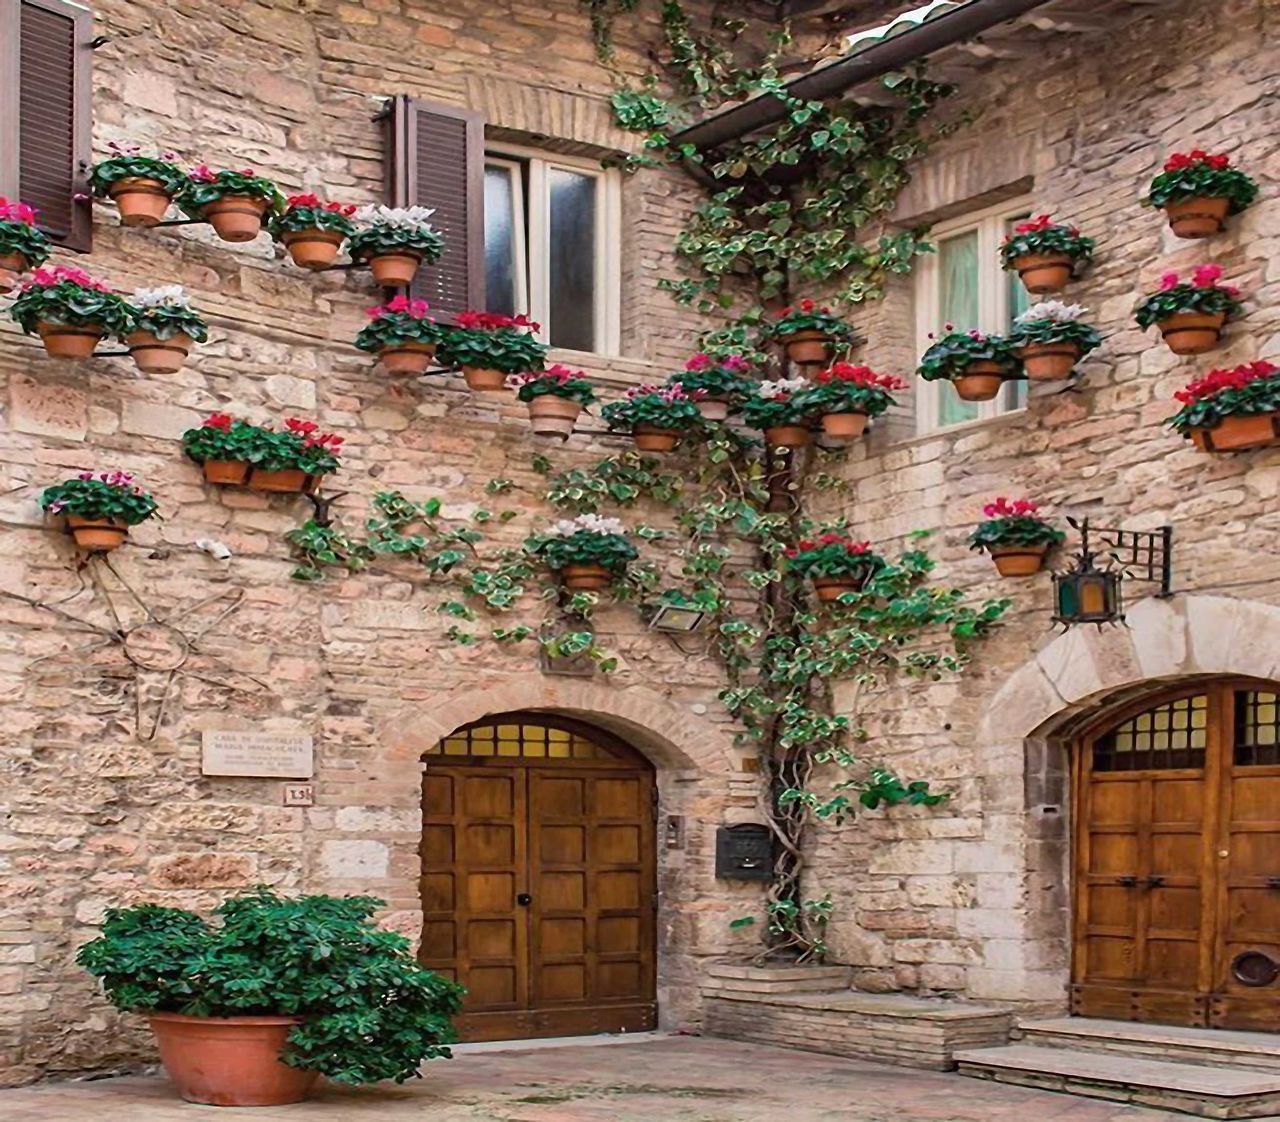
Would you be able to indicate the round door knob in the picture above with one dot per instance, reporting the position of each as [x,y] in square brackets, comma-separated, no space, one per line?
[524,899]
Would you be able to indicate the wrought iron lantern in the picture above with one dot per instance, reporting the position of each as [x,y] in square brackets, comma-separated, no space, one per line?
[1089,592]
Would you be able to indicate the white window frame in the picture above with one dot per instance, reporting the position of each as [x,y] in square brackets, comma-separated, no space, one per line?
[515,177]
[608,264]
[993,306]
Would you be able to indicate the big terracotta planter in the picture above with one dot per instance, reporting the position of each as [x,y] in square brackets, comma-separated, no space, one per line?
[808,347]
[832,588]
[844,426]
[141,201]
[585,578]
[12,266]
[1018,560]
[235,218]
[97,535]
[1044,272]
[981,381]
[788,436]
[1049,362]
[394,270]
[649,438]
[63,341]
[714,409]
[484,379]
[1201,217]
[313,249]
[226,473]
[1238,433]
[407,358]
[159,356]
[290,481]
[230,1061]
[1192,333]
[550,415]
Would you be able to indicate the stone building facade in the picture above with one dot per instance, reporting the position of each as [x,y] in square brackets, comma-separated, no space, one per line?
[972,899]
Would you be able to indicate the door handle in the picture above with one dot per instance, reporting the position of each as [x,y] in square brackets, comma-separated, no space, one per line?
[524,899]
[1155,882]
[1127,882]
[1273,882]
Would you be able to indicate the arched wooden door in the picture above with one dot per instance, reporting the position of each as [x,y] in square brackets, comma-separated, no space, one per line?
[1177,870]
[538,883]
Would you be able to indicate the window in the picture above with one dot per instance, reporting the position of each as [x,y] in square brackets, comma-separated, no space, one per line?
[551,245]
[964,285]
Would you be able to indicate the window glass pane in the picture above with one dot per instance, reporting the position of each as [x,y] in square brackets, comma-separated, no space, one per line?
[958,303]
[500,239]
[572,264]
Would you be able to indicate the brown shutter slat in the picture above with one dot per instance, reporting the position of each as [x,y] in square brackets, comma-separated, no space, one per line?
[436,159]
[54,144]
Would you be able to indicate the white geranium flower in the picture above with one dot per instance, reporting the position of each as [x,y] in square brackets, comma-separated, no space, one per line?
[397,218]
[1054,310]
[164,296]
[591,523]
[782,385]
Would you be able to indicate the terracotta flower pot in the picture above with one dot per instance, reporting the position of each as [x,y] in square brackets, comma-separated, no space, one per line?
[159,356]
[484,379]
[715,409]
[585,578]
[1238,433]
[788,436]
[1018,560]
[1044,272]
[235,218]
[550,415]
[1201,217]
[1049,362]
[808,347]
[230,1061]
[12,266]
[832,588]
[63,341]
[407,358]
[226,473]
[313,249]
[981,381]
[394,270]
[844,426]
[289,481]
[649,438]
[1192,333]
[141,201]
[97,535]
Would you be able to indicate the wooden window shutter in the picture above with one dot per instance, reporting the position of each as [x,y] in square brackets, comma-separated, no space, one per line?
[46,83]
[436,158]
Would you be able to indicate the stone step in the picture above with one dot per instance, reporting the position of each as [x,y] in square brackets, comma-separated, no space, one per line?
[1190,1088]
[729,977]
[1250,1051]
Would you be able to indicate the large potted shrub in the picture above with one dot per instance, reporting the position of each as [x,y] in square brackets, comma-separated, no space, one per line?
[1016,536]
[142,187]
[23,244]
[70,311]
[811,334]
[1197,190]
[1190,314]
[234,203]
[846,396]
[1231,410]
[288,461]
[1051,337]
[834,563]
[402,334]
[587,553]
[99,509]
[163,329]
[555,396]
[394,242]
[717,383]
[657,417]
[1045,254]
[782,410]
[311,230]
[250,1009]
[977,365]
[488,347]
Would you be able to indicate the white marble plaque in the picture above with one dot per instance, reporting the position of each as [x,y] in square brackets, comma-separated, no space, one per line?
[270,755]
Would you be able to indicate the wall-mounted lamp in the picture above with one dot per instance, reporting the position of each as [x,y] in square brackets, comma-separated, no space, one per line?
[681,618]
[1092,593]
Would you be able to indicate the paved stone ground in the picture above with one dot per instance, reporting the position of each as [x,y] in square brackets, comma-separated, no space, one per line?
[669,1079]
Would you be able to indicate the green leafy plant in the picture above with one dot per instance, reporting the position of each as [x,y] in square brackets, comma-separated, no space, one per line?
[832,555]
[722,377]
[299,446]
[660,407]
[316,546]
[1199,175]
[1244,390]
[785,401]
[165,312]
[491,341]
[1042,236]
[556,381]
[1202,294]
[399,321]
[70,297]
[952,355]
[587,539]
[127,162]
[205,186]
[20,235]
[310,212]
[809,316]
[1014,523]
[109,495]
[1052,321]
[382,230]
[370,1012]
[846,388]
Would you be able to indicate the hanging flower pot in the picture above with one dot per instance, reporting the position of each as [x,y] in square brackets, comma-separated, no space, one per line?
[286,481]
[312,230]
[70,311]
[99,509]
[407,358]
[1190,315]
[1016,536]
[394,270]
[844,426]
[236,452]
[587,553]
[1045,254]
[234,203]
[394,242]
[656,416]
[165,328]
[713,409]
[153,355]
[1049,362]
[788,436]
[313,249]
[585,578]
[401,334]
[810,334]
[809,347]
[834,564]
[63,341]
[1018,561]
[650,438]
[828,589]
[1192,333]
[979,381]
[235,218]
[23,245]
[848,395]
[12,266]
[97,535]
[976,365]
[488,347]
[1044,272]
[142,187]
[225,473]
[1197,191]
[782,409]
[484,379]
[1239,433]
[553,416]
[141,201]
[556,397]
[1050,338]
[716,384]
[1231,410]
[1197,217]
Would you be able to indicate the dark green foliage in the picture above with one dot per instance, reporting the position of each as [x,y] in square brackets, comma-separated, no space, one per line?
[109,495]
[559,381]
[299,445]
[1208,299]
[659,408]
[198,193]
[297,218]
[1031,331]
[780,409]
[394,329]
[164,321]
[171,177]
[509,349]
[1199,175]
[833,555]
[951,355]
[26,239]
[315,546]
[376,240]
[585,547]
[1040,236]
[1242,391]
[809,317]
[72,305]
[1017,530]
